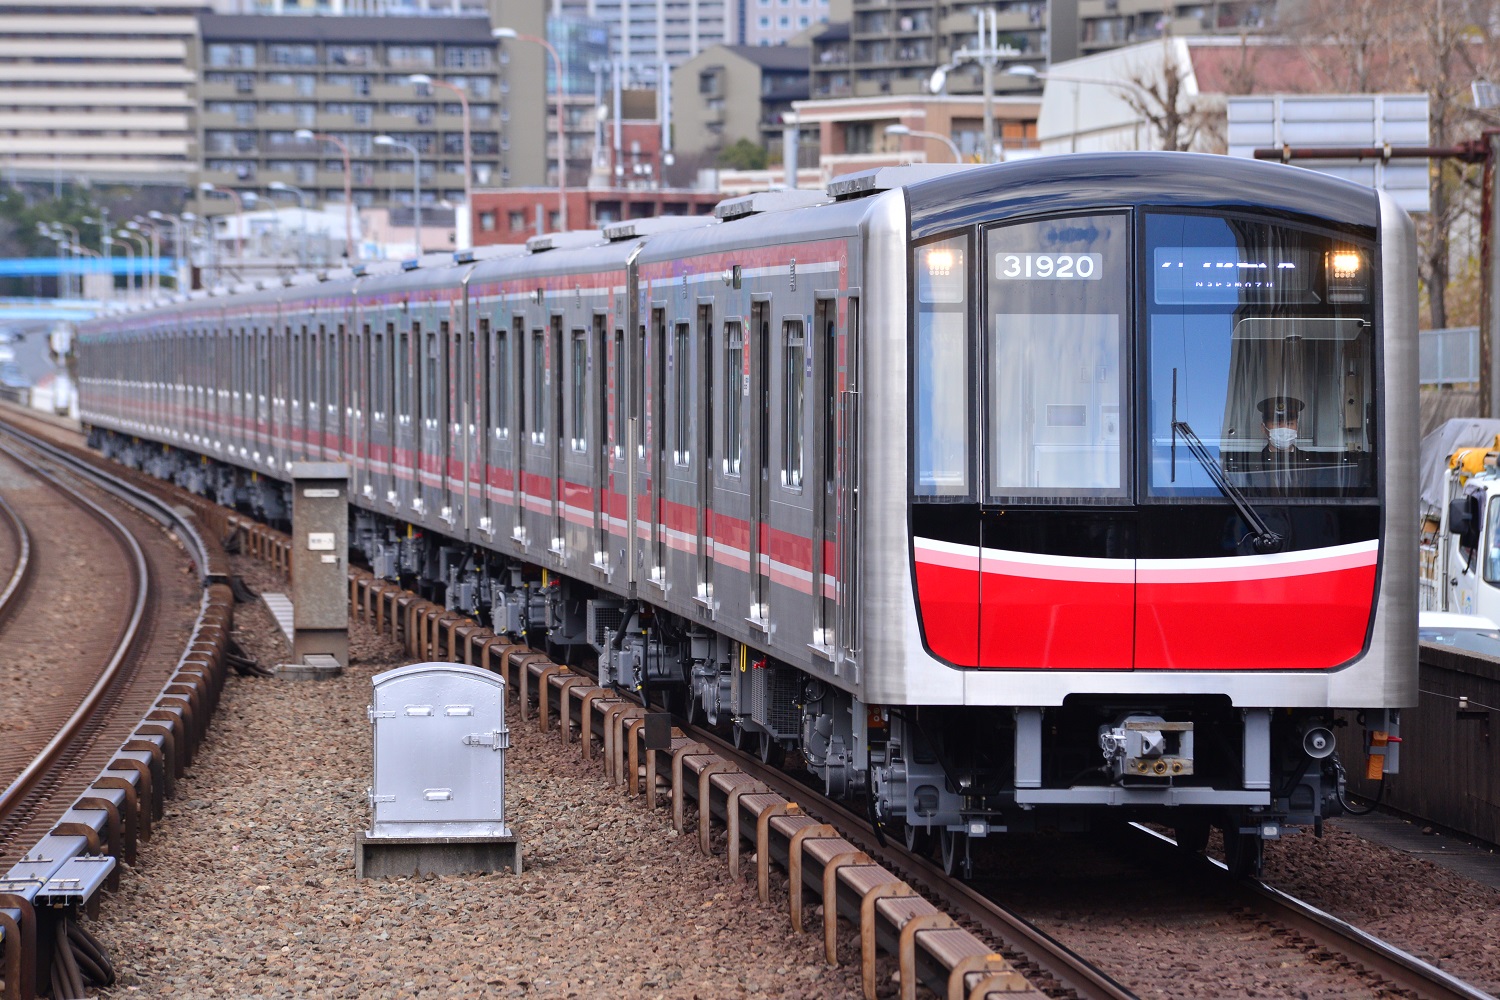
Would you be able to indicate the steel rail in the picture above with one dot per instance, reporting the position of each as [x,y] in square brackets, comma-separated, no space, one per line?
[47,758]
[1053,958]
[142,500]
[21,574]
[1399,967]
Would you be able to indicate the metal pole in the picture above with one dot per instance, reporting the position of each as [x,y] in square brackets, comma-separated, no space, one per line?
[416,196]
[988,28]
[1489,288]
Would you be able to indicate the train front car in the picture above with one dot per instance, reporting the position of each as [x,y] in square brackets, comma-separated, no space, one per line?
[1160,444]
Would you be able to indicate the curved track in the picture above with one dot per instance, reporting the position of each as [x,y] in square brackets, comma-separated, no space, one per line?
[57,714]
[20,545]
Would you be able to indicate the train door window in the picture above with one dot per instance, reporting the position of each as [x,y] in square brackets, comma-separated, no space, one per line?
[484,368]
[520,363]
[793,393]
[736,388]
[656,412]
[402,373]
[619,427]
[705,340]
[378,353]
[827,316]
[682,396]
[337,350]
[638,391]
[940,370]
[315,369]
[431,385]
[500,391]
[578,432]
[1058,295]
[538,387]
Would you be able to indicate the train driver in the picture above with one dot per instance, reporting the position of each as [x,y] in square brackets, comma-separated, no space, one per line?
[1279,415]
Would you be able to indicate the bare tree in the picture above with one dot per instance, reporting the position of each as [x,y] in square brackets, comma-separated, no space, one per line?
[1177,118]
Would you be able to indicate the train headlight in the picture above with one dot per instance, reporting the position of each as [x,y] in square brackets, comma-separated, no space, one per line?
[940,272]
[1347,275]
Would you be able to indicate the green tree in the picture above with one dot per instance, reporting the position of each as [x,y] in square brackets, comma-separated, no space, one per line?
[743,155]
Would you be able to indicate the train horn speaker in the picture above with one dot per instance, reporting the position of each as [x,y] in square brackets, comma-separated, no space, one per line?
[1317,741]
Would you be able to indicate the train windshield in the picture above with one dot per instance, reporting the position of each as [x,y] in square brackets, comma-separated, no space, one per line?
[1259,347]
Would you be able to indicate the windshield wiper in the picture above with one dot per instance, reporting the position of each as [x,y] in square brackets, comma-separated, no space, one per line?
[1266,540]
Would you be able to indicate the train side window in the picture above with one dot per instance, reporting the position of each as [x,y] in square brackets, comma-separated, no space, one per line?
[940,370]
[736,388]
[793,393]
[682,393]
[578,432]
[538,384]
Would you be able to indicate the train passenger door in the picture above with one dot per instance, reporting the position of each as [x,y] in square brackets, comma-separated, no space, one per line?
[847,544]
[556,366]
[760,454]
[600,438]
[703,367]
[824,464]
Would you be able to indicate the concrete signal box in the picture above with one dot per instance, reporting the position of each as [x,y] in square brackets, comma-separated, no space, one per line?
[320,561]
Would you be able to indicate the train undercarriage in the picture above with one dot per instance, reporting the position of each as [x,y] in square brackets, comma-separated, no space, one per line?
[941,777]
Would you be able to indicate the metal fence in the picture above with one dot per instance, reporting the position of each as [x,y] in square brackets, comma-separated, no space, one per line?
[1449,357]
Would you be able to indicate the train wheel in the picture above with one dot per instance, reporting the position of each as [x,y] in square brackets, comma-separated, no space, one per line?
[953,845]
[739,737]
[1192,835]
[770,750]
[1242,853]
[919,839]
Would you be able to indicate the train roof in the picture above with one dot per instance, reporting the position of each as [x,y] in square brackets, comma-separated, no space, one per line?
[1089,180]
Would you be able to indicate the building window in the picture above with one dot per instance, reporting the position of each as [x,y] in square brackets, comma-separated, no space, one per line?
[487,222]
[517,221]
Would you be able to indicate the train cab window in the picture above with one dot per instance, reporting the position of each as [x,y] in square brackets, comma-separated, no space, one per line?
[578,432]
[1260,344]
[1058,298]
[682,395]
[940,370]
[793,394]
[736,388]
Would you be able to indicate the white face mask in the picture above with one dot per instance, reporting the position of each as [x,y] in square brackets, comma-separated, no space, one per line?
[1282,438]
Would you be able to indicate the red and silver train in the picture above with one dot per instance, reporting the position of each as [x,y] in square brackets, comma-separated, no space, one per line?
[1008,497]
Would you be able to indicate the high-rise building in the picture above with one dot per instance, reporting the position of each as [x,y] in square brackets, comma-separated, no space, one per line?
[269,82]
[97,92]
[649,34]
[777,22]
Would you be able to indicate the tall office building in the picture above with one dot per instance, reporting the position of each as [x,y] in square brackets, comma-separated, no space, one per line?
[97,92]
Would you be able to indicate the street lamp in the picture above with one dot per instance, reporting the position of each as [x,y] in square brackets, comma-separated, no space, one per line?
[562,167]
[177,244]
[125,237]
[416,183]
[901,130]
[64,286]
[1032,73]
[423,80]
[145,228]
[104,251]
[239,221]
[987,55]
[308,135]
[302,205]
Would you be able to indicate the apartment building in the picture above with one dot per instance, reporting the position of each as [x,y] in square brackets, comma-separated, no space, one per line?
[893,46]
[100,92]
[267,81]
[733,92]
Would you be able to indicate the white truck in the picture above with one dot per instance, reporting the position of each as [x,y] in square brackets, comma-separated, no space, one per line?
[1460,565]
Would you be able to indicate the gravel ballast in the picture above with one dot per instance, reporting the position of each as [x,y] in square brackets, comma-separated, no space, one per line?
[248,888]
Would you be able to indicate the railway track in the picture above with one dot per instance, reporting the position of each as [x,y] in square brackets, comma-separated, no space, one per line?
[1046,961]
[20,558]
[103,720]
